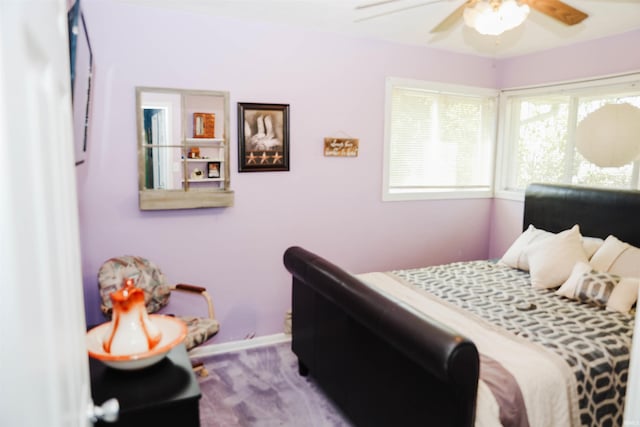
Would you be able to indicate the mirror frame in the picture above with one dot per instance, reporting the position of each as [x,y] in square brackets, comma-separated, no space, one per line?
[185,198]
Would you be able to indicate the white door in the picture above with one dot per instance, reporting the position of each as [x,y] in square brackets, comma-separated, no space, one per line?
[44,375]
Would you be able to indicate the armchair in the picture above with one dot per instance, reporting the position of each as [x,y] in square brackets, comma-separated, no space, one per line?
[157,291]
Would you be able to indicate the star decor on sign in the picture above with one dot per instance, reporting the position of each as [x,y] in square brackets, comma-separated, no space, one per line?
[264,159]
[251,159]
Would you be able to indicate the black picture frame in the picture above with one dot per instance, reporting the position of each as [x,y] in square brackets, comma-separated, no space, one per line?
[263,137]
[81,67]
[213,169]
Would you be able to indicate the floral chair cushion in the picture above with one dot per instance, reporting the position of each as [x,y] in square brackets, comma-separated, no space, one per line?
[199,330]
[147,275]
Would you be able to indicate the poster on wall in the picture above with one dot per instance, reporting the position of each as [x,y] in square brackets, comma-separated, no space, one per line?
[81,62]
[263,137]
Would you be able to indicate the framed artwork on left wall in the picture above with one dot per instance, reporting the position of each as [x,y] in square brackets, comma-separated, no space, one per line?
[263,137]
[81,67]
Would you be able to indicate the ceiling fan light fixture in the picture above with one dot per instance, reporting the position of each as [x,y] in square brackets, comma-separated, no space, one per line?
[492,18]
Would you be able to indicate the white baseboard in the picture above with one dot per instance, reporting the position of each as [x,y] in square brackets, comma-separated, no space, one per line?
[213,349]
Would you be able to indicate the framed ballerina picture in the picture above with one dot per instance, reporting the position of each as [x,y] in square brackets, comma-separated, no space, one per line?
[263,137]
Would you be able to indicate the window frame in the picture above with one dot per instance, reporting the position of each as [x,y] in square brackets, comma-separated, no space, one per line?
[505,151]
[440,88]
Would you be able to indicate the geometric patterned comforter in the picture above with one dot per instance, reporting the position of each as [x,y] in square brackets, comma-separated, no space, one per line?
[594,342]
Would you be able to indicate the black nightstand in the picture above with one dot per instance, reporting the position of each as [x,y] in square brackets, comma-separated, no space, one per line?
[165,394]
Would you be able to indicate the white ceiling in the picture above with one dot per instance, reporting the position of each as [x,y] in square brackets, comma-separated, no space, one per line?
[411,21]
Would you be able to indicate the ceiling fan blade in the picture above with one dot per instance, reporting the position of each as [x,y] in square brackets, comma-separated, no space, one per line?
[376,3]
[448,22]
[425,3]
[557,10]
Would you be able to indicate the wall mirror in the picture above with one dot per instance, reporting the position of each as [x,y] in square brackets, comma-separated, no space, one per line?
[183,148]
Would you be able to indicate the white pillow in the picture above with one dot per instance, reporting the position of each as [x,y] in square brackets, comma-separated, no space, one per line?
[624,295]
[591,245]
[516,255]
[617,257]
[621,298]
[551,260]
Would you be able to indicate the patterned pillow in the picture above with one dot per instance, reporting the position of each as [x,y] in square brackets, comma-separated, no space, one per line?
[568,288]
[595,288]
[600,288]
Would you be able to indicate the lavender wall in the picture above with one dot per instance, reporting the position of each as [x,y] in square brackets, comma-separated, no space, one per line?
[335,86]
[611,55]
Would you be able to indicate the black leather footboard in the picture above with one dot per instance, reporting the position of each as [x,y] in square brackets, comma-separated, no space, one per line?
[382,362]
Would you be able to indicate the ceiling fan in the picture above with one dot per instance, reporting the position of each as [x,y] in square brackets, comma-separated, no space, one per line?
[471,9]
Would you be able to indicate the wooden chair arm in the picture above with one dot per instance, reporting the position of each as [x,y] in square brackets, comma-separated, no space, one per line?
[193,289]
[190,288]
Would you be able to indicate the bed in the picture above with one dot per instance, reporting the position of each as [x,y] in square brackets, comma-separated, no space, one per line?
[409,347]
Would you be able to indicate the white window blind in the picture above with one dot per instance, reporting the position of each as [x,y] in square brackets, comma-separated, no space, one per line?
[438,142]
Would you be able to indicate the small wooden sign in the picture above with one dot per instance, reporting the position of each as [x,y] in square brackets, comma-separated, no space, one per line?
[341,147]
[204,125]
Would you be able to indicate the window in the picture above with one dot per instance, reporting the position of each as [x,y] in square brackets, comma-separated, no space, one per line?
[537,134]
[439,140]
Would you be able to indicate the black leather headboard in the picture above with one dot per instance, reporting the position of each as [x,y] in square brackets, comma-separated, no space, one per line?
[599,212]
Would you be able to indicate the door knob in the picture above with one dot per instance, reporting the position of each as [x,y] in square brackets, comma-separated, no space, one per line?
[107,412]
